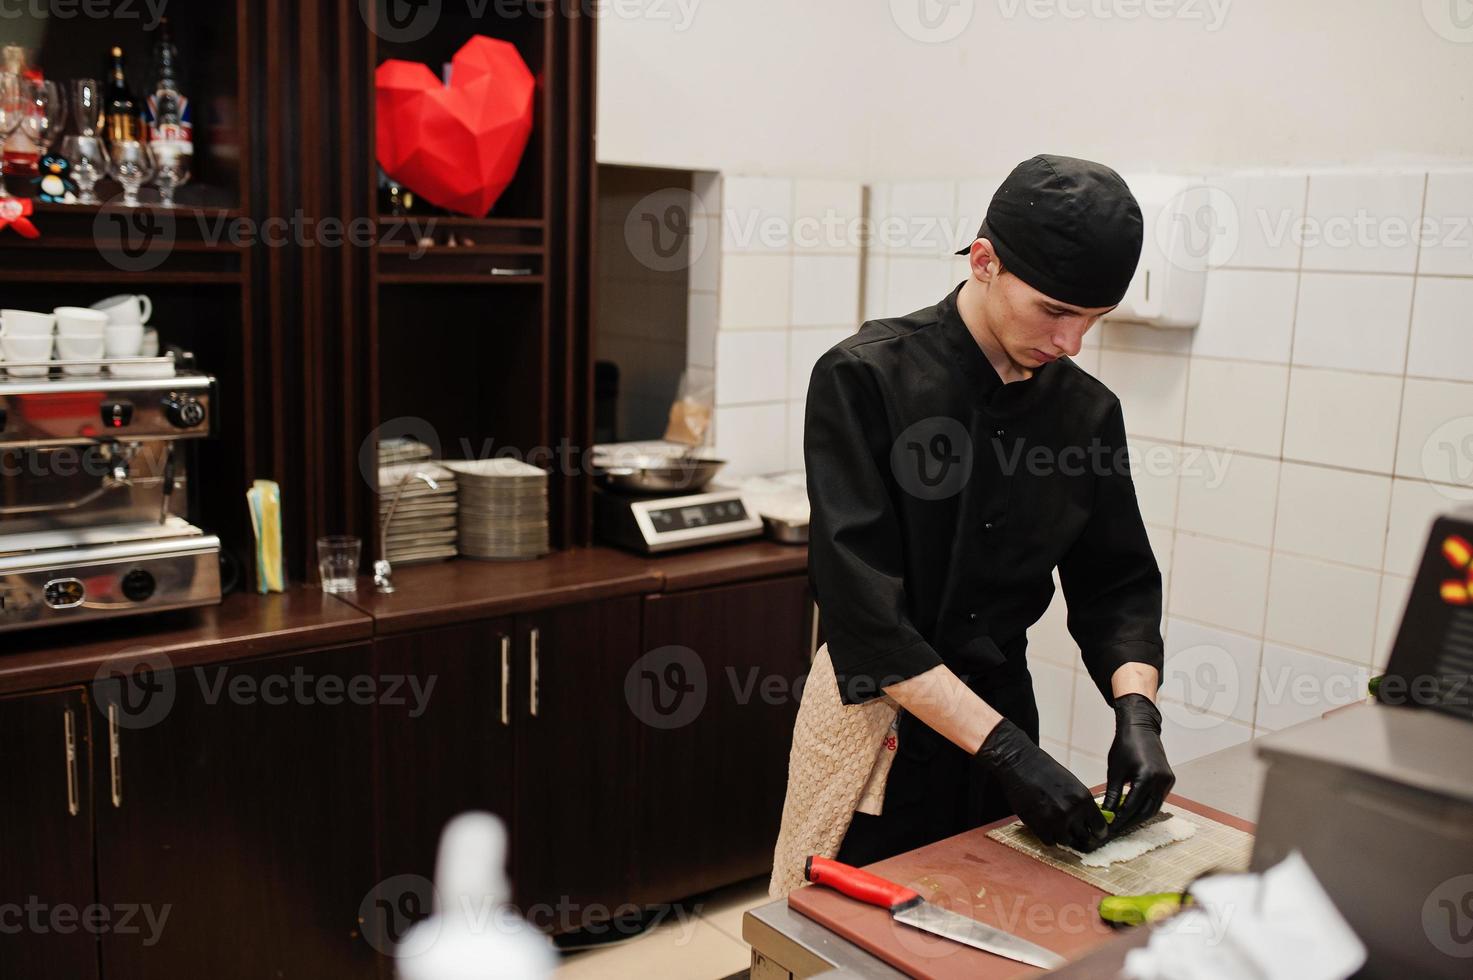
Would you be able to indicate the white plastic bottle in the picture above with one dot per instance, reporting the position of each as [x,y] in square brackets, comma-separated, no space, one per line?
[474,933]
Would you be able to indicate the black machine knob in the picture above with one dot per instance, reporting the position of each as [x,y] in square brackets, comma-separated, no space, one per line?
[138,585]
[184,411]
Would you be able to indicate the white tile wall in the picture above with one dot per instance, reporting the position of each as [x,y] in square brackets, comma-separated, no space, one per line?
[1234,501]
[1321,606]
[1355,323]
[1436,424]
[1337,418]
[1332,376]
[789,288]
[1152,390]
[1237,405]
[1269,208]
[1449,251]
[1442,329]
[1363,222]
[1336,515]
[1247,314]
[1220,583]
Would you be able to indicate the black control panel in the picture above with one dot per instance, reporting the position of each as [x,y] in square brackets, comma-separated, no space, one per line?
[697,515]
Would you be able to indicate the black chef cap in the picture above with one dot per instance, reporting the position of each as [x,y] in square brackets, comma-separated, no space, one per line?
[1069,228]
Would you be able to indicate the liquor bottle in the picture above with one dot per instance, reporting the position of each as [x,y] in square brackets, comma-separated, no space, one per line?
[21,152]
[119,105]
[168,113]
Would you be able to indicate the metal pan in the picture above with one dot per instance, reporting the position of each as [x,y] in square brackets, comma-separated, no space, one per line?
[658,474]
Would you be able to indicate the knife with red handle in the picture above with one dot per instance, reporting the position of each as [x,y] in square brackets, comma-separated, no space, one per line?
[906,905]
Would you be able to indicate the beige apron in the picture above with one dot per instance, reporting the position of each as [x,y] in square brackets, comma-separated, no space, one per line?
[839,763]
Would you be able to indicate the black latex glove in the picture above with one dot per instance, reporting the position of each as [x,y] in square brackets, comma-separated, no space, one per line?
[1137,758]
[1047,797]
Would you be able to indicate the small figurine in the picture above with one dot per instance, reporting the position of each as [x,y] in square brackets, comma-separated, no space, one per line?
[54,181]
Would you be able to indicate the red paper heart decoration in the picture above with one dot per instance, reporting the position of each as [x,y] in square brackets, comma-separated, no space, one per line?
[457,147]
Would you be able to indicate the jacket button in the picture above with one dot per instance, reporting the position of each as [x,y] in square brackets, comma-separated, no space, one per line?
[998,433]
[971,617]
[987,526]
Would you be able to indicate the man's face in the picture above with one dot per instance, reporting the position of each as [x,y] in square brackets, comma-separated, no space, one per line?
[1033,328]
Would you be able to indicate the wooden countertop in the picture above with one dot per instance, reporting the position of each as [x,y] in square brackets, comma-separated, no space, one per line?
[454,591]
[246,625]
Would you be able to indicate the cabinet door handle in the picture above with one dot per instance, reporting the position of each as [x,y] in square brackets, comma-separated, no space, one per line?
[506,680]
[114,753]
[73,804]
[535,671]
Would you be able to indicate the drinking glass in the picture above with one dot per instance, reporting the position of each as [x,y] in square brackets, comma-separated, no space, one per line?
[132,166]
[13,109]
[46,113]
[173,169]
[86,105]
[89,163]
[337,562]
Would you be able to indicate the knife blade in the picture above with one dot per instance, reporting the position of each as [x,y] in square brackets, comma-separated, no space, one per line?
[906,905]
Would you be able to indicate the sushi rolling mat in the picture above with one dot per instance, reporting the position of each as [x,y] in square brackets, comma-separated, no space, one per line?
[1214,847]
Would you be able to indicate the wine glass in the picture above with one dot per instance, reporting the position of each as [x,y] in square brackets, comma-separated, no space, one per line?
[13,109]
[89,163]
[173,168]
[132,166]
[86,105]
[46,115]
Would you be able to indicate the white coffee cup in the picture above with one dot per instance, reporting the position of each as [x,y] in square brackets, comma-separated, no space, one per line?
[24,323]
[81,349]
[26,348]
[150,346]
[124,339]
[126,308]
[78,321]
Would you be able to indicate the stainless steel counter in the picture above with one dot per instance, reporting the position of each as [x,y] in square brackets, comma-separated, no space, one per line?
[786,944]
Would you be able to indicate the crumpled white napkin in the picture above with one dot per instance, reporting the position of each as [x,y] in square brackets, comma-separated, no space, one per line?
[1276,925]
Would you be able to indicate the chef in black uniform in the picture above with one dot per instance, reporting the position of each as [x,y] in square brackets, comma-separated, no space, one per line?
[957,456]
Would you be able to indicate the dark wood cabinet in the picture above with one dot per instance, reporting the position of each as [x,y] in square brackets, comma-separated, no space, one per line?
[575,736]
[454,752]
[46,882]
[233,812]
[528,720]
[711,783]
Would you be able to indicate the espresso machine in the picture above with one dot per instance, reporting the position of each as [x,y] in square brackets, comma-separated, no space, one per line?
[94,519]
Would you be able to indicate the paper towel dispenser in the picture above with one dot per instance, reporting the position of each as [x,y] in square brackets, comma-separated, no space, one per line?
[1184,219]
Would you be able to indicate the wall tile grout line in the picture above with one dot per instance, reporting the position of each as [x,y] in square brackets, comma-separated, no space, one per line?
[1396,432]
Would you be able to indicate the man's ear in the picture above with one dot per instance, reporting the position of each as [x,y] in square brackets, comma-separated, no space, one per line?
[986,266]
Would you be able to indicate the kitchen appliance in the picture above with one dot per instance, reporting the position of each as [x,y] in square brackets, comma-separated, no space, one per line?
[654,497]
[93,514]
[1431,662]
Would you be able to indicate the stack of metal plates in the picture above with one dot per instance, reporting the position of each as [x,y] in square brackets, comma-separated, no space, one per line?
[423,528]
[402,450]
[503,508]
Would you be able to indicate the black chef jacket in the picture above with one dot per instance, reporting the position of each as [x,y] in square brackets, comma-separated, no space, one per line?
[943,499]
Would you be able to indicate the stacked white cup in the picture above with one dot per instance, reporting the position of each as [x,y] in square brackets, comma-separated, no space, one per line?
[27,336]
[126,316]
[81,336]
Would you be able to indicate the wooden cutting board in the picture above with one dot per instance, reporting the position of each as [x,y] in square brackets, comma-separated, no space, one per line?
[988,881]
